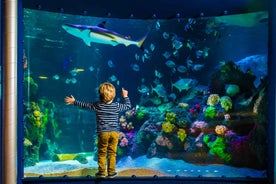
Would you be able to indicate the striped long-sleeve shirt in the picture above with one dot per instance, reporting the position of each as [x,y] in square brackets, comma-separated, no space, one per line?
[107,115]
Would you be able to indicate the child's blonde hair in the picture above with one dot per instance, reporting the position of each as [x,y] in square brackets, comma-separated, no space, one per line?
[107,92]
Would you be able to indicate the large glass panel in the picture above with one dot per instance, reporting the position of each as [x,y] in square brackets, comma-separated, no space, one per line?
[198,88]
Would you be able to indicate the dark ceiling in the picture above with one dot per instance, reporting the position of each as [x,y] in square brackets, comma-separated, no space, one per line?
[147,9]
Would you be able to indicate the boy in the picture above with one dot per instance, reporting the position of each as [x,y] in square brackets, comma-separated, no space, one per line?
[107,114]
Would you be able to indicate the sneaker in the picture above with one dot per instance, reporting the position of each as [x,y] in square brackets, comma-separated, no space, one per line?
[112,175]
[98,175]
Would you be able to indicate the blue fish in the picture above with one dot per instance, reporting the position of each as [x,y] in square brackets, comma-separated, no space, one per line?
[135,67]
[110,64]
[183,84]
[170,64]
[181,68]
[160,90]
[98,34]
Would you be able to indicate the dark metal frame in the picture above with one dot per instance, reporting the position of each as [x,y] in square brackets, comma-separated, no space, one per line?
[212,9]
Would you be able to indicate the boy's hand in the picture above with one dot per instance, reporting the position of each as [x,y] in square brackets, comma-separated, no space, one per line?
[124,93]
[69,100]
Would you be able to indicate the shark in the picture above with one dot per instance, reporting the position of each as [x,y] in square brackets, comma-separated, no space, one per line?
[99,34]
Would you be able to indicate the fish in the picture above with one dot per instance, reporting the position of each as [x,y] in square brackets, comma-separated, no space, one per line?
[91,68]
[110,64]
[183,84]
[101,35]
[143,89]
[177,44]
[137,57]
[56,77]
[197,67]
[166,35]
[189,62]
[72,80]
[75,71]
[189,24]
[43,77]
[170,64]
[152,47]
[112,78]
[158,74]
[166,54]
[181,68]
[190,44]
[199,53]
[160,90]
[135,67]
[172,96]
[157,25]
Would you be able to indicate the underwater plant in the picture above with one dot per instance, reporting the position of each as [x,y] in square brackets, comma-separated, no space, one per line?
[210,112]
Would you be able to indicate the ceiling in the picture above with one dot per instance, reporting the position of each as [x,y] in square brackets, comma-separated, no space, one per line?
[148,9]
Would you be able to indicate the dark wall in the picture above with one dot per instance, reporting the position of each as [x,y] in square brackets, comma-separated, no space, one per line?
[147,9]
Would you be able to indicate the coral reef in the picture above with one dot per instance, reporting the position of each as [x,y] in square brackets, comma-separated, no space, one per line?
[210,112]
[226,103]
[213,99]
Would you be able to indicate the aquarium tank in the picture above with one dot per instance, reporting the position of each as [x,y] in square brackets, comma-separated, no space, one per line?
[198,89]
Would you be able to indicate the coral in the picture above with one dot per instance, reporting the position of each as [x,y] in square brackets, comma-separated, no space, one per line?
[167,127]
[182,123]
[37,113]
[141,113]
[39,124]
[165,107]
[164,141]
[220,129]
[130,112]
[232,89]
[120,151]
[171,117]
[213,99]
[181,134]
[27,142]
[226,103]
[217,147]
[210,112]
[123,142]
[199,124]
[195,109]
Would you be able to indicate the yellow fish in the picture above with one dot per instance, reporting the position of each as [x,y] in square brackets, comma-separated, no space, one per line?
[43,77]
[79,70]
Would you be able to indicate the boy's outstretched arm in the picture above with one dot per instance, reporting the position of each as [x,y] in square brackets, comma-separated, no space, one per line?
[69,100]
